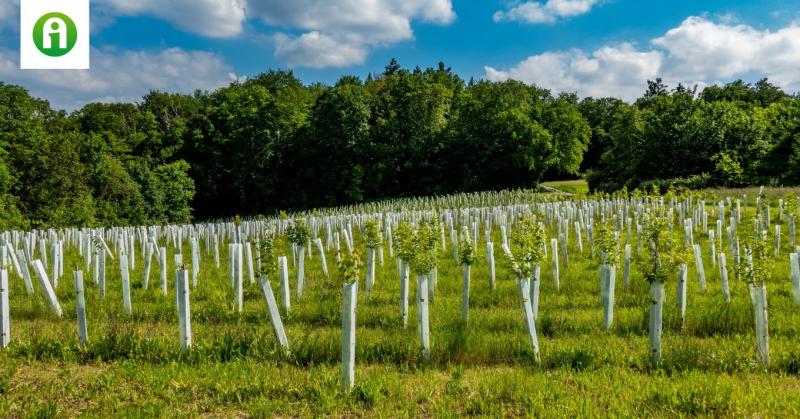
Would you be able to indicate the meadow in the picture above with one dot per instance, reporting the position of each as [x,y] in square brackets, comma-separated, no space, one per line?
[132,365]
[575,187]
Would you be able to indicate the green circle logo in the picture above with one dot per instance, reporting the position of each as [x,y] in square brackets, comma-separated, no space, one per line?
[55,34]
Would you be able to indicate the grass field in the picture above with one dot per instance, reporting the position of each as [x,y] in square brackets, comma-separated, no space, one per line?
[581,187]
[752,192]
[133,366]
[575,187]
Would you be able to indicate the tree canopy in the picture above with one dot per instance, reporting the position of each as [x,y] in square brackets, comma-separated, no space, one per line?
[733,135]
[272,143]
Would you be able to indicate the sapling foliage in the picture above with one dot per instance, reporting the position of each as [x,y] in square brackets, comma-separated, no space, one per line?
[403,239]
[606,243]
[757,264]
[424,246]
[372,235]
[527,240]
[792,204]
[298,233]
[269,265]
[466,251]
[349,267]
[666,251]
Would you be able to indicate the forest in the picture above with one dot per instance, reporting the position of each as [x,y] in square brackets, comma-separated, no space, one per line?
[273,143]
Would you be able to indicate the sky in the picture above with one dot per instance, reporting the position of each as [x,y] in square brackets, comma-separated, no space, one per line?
[590,47]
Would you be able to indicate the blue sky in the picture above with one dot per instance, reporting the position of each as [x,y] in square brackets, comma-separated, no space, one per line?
[592,47]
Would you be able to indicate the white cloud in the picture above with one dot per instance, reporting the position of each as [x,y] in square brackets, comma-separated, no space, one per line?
[120,75]
[212,18]
[610,71]
[9,14]
[342,33]
[549,12]
[8,9]
[317,51]
[312,33]
[699,51]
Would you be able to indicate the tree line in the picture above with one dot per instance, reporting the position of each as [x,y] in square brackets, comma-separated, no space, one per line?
[724,136]
[271,143]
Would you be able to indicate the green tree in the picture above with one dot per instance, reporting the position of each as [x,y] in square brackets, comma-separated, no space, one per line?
[495,122]
[236,143]
[599,113]
[570,134]
[336,147]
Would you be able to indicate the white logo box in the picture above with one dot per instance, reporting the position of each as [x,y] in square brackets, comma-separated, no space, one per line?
[30,57]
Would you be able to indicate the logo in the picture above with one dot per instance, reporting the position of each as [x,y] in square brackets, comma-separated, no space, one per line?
[55,34]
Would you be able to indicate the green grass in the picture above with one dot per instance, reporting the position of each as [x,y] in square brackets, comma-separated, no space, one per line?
[752,192]
[575,187]
[133,366]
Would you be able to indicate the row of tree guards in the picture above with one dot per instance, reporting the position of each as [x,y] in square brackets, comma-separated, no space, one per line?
[661,236]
